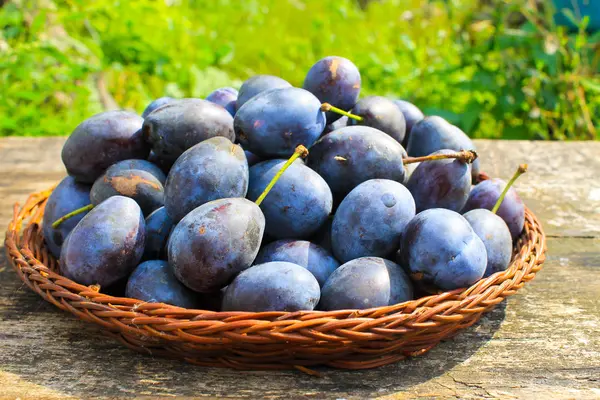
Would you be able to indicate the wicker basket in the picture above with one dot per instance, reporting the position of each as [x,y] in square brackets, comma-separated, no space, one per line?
[351,339]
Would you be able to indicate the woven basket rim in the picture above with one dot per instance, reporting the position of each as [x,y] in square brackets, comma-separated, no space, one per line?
[439,314]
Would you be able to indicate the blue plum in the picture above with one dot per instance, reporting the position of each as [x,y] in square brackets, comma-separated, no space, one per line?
[297,205]
[354,154]
[435,133]
[512,209]
[380,113]
[370,220]
[177,126]
[102,140]
[337,124]
[215,242]
[334,80]
[68,196]
[213,169]
[259,84]
[494,233]
[412,115]
[273,286]
[141,186]
[153,281]
[225,97]
[158,229]
[274,123]
[366,282]
[106,245]
[441,183]
[439,247]
[143,165]
[308,255]
[252,158]
[157,104]
[164,167]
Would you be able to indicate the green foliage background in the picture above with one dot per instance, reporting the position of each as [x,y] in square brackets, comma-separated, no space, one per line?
[495,68]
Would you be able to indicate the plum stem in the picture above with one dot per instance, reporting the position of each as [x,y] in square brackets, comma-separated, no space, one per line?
[467,156]
[520,171]
[65,217]
[329,107]
[300,151]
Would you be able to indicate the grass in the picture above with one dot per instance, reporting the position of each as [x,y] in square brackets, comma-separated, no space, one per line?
[498,69]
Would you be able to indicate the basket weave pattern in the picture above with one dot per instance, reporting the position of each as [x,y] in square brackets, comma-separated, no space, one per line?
[351,339]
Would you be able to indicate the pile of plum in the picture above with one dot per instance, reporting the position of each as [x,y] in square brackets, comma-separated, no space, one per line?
[217,203]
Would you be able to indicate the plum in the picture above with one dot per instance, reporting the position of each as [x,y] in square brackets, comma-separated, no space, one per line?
[439,247]
[153,281]
[337,124]
[334,80]
[412,115]
[298,205]
[273,286]
[225,97]
[215,242]
[259,84]
[512,209]
[252,158]
[435,133]
[143,165]
[106,245]
[494,233]
[274,123]
[371,219]
[68,196]
[354,154]
[213,169]
[102,140]
[157,104]
[441,183]
[141,186]
[308,255]
[158,229]
[366,282]
[380,113]
[177,126]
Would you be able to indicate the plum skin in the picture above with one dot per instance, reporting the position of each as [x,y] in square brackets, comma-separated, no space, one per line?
[68,196]
[273,286]
[349,156]
[370,220]
[442,183]
[380,113]
[297,205]
[512,209]
[213,169]
[366,282]
[258,84]
[158,229]
[439,247]
[102,140]
[214,242]
[494,233]
[177,126]
[334,80]
[275,122]
[314,258]
[106,245]
[153,281]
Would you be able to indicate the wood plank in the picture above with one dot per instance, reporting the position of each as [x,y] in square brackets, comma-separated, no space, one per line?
[543,342]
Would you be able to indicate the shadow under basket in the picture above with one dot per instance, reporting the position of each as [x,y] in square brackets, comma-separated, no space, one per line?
[350,339]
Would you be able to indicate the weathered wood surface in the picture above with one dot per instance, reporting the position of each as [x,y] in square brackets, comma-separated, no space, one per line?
[542,343]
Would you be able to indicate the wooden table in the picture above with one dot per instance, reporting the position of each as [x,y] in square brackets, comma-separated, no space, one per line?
[542,343]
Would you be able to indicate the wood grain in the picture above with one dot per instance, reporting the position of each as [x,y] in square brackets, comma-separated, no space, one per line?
[543,343]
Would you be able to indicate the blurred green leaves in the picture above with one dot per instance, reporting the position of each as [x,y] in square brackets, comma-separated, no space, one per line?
[497,69]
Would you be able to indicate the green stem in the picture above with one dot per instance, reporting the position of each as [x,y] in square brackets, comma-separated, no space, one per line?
[301,151]
[62,219]
[329,107]
[467,156]
[520,171]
